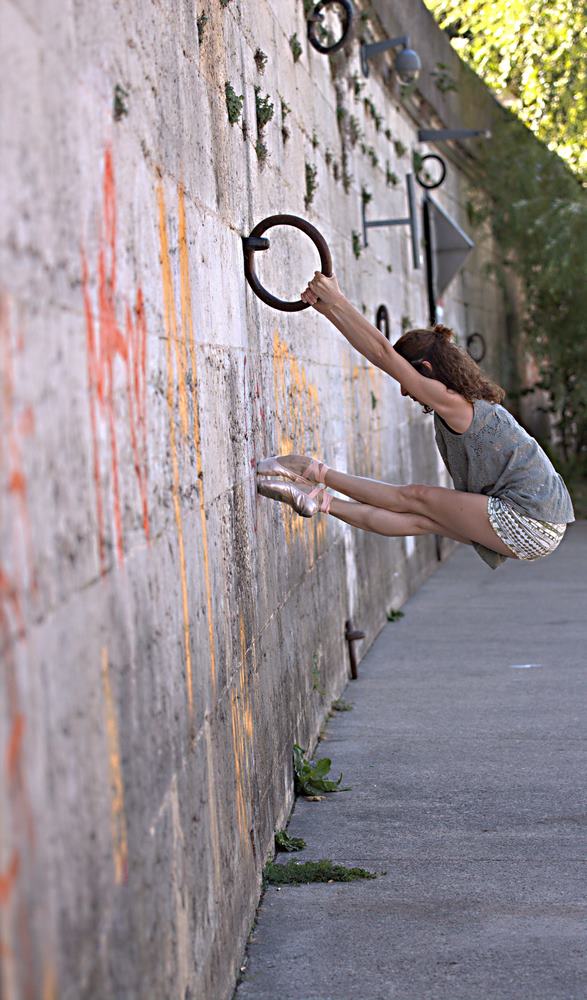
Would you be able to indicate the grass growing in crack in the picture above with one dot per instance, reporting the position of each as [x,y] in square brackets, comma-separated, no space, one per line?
[234,103]
[310,775]
[285,111]
[303,872]
[357,249]
[261,151]
[311,185]
[283,842]
[399,147]
[393,615]
[340,705]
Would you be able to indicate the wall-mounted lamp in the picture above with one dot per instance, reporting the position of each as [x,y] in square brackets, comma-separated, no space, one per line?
[441,134]
[407,62]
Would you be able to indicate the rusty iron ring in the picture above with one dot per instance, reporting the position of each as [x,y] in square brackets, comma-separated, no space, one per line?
[316,17]
[256,242]
[476,346]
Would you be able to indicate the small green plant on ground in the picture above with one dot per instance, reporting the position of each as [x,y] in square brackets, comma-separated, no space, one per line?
[393,615]
[310,775]
[119,104]
[260,60]
[201,23]
[283,842]
[296,48]
[340,705]
[357,248]
[302,872]
[234,103]
[311,185]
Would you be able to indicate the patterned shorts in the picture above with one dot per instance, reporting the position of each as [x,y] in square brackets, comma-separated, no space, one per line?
[526,537]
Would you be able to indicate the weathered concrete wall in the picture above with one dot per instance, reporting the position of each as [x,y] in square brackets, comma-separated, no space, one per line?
[165,635]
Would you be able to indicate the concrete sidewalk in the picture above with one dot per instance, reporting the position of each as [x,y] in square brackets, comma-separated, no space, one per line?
[467,756]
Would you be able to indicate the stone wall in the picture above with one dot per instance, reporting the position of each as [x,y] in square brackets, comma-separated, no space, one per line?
[165,634]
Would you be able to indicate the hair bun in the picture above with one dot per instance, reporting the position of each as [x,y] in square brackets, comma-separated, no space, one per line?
[443,331]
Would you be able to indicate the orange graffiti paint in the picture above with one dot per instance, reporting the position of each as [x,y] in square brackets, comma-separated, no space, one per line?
[108,343]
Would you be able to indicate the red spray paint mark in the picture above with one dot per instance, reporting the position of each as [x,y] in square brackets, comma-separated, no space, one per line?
[106,342]
[8,878]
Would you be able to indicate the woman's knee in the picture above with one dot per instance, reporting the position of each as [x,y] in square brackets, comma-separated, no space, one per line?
[417,497]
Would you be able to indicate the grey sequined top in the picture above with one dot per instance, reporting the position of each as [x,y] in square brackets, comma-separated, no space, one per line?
[498,458]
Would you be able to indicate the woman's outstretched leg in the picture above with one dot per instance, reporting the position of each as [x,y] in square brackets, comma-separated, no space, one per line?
[386,522]
[458,514]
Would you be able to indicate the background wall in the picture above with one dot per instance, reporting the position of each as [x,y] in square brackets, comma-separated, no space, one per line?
[165,634]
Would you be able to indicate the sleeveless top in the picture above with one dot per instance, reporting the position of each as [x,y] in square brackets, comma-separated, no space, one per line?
[498,458]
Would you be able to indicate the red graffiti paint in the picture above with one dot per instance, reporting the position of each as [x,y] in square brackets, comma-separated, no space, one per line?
[109,343]
[8,878]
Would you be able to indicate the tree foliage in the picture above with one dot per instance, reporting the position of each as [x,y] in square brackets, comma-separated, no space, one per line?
[533,54]
[538,211]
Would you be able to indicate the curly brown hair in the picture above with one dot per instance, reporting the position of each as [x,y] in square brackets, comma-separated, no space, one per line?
[450,365]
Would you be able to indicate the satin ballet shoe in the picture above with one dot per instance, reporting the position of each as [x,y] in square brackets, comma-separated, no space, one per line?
[306,503]
[315,471]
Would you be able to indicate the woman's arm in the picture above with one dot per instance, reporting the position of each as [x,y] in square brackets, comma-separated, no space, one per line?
[325,295]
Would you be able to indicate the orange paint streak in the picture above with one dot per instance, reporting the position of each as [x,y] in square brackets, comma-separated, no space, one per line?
[9,877]
[106,344]
[188,336]
[117,814]
[170,322]
[297,416]
[13,750]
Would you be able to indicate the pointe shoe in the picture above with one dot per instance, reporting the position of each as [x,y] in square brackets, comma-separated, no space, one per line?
[306,504]
[273,467]
[314,472]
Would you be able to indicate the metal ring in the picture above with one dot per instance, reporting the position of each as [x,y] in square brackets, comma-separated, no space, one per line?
[476,346]
[252,243]
[435,184]
[382,321]
[316,17]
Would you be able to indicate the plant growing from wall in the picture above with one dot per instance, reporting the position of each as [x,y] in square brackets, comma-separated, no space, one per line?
[372,156]
[264,111]
[285,111]
[201,23]
[399,147]
[234,103]
[354,130]
[311,185]
[328,156]
[406,322]
[366,195]
[357,247]
[391,179]
[340,705]
[260,59]
[119,103]
[296,48]
[310,775]
[356,84]
[394,616]
[314,140]
[443,79]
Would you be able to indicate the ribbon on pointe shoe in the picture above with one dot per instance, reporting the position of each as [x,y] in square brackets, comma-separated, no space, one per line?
[316,471]
[325,499]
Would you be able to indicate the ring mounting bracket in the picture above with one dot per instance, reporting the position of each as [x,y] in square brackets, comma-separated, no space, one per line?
[256,242]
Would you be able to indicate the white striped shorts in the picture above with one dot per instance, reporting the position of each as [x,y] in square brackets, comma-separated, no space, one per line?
[525,536]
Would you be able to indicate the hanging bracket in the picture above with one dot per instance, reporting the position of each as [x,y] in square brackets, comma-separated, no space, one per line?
[410,220]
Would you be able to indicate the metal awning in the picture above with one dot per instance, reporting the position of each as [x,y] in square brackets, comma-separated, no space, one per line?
[447,248]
